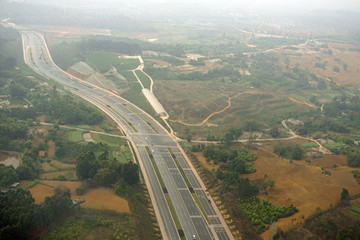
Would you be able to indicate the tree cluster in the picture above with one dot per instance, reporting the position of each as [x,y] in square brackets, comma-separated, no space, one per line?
[261,212]
[102,170]
[64,109]
[21,218]
[172,60]
[289,151]
[353,158]
[166,74]
[198,62]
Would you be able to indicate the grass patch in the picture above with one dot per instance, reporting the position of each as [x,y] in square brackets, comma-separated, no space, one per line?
[84,127]
[76,136]
[111,140]
[32,184]
[144,79]
[173,212]
[16,101]
[309,145]
[104,61]
[121,157]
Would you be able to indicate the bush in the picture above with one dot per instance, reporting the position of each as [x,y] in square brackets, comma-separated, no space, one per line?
[261,212]
[83,188]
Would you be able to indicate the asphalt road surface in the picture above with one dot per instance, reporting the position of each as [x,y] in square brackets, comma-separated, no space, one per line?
[143,131]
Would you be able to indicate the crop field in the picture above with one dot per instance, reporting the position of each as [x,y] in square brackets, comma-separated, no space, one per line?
[60,175]
[355,209]
[95,224]
[104,61]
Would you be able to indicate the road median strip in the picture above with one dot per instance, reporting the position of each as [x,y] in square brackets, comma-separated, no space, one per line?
[197,200]
[167,197]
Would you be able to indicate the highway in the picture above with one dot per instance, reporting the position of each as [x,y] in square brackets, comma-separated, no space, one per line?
[155,148]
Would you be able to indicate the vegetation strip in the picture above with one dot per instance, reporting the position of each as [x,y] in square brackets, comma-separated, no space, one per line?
[197,200]
[135,130]
[129,123]
[155,130]
[167,197]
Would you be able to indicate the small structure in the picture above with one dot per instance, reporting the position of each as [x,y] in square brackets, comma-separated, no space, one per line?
[159,109]
[15,185]
[78,201]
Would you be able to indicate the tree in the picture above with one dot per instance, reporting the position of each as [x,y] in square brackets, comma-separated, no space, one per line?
[297,153]
[86,165]
[8,175]
[188,137]
[274,132]
[131,173]
[344,194]
[17,90]
[353,159]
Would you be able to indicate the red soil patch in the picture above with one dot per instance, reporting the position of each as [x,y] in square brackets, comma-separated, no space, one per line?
[103,198]
[40,192]
[159,62]
[302,102]
[46,167]
[41,153]
[302,184]
[51,149]
[100,198]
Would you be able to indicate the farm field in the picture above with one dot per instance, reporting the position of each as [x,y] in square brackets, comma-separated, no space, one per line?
[94,198]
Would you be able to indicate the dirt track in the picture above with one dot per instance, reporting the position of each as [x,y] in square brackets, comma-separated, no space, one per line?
[212,114]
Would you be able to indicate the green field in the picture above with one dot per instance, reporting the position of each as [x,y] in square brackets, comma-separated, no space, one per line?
[144,79]
[309,145]
[16,101]
[76,136]
[115,143]
[95,224]
[103,61]
[355,209]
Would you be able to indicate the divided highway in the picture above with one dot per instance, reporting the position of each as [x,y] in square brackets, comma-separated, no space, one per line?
[167,171]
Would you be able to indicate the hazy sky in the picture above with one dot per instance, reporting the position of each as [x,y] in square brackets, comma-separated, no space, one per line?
[282,4]
[353,5]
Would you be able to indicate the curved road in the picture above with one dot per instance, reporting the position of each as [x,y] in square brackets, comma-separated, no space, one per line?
[144,132]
